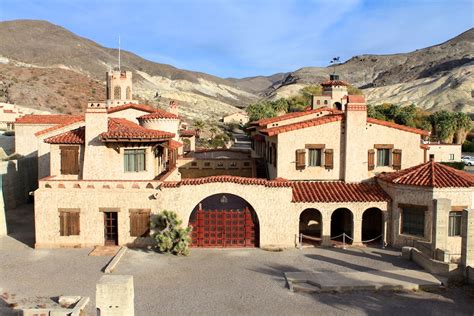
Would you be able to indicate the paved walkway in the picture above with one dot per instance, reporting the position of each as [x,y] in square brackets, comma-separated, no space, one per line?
[213,281]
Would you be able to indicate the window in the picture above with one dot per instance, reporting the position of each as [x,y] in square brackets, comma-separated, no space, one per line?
[117,93]
[455,219]
[134,160]
[233,164]
[69,159]
[314,159]
[383,157]
[246,164]
[451,156]
[325,102]
[413,220]
[220,165]
[139,222]
[207,164]
[69,224]
[194,164]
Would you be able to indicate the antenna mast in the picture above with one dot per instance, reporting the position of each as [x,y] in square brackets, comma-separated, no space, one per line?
[119,54]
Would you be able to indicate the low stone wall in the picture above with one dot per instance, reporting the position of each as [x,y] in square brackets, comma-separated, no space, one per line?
[19,178]
[431,265]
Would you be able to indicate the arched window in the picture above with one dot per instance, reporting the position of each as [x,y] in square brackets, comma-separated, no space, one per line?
[117,93]
[128,93]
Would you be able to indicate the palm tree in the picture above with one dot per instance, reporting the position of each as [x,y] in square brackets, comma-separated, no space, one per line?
[213,131]
[199,126]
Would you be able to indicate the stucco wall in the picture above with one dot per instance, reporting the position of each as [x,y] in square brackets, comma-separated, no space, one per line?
[25,139]
[274,230]
[18,180]
[444,153]
[328,134]
[166,125]
[424,196]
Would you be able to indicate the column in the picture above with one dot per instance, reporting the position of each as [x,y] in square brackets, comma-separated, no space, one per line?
[441,208]
[357,231]
[326,231]
[384,228]
[467,233]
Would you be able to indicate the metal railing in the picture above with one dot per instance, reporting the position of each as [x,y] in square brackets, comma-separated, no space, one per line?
[343,235]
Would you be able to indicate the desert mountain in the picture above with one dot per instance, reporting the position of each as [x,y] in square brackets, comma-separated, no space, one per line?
[440,76]
[45,66]
[29,45]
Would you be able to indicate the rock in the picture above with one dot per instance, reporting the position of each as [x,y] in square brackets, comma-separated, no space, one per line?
[66,301]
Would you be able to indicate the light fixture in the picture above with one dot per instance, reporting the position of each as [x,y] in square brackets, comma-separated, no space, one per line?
[224,199]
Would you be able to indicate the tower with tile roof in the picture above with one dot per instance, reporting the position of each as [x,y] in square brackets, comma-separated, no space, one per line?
[119,88]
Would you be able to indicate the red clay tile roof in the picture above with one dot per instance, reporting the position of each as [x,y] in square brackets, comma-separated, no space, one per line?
[158,114]
[291,115]
[45,119]
[174,144]
[304,124]
[71,120]
[187,133]
[75,136]
[140,107]
[353,98]
[334,83]
[430,174]
[398,126]
[123,130]
[337,191]
[230,179]
[7,111]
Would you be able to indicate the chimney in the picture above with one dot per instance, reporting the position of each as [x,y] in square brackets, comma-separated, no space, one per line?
[355,157]
[173,107]
[94,150]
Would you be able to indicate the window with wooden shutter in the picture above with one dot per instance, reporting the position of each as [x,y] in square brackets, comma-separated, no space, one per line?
[329,159]
[371,159]
[69,159]
[300,159]
[139,222]
[69,222]
[397,159]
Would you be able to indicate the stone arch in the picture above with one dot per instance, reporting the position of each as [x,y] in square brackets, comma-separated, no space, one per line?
[128,93]
[342,221]
[117,93]
[224,220]
[311,224]
[372,224]
[338,106]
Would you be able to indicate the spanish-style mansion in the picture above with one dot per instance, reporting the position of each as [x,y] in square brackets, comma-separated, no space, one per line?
[323,172]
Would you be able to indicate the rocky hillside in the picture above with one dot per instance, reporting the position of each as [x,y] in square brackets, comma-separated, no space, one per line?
[440,76]
[29,45]
[45,66]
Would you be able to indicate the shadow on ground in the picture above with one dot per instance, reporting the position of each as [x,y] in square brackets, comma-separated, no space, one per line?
[21,224]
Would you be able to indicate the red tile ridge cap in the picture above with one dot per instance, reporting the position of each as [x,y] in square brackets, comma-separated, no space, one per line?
[228,179]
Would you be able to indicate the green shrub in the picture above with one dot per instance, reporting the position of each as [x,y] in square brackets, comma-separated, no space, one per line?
[169,235]
[468,147]
[456,165]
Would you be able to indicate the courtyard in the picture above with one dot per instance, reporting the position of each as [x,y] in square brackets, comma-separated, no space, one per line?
[215,281]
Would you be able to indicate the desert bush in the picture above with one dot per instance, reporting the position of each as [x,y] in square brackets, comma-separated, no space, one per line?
[170,237]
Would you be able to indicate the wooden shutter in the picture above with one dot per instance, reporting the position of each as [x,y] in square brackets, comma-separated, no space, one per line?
[397,159]
[69,223]
[139,222]
[371,159]
[69,159]
[300,159]
[329,159]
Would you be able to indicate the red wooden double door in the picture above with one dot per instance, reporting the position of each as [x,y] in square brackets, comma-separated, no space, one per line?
[224,228]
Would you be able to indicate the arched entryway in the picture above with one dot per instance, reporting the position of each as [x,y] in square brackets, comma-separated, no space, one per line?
[311,226]
[224,220]
[342,222]
[338,106]
[372,225]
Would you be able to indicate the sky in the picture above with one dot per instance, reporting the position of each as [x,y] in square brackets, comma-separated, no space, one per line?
[243,38]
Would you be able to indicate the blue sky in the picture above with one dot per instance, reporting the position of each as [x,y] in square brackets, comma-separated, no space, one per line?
[239,38]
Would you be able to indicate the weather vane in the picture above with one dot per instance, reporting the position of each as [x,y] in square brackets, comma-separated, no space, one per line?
[334,62]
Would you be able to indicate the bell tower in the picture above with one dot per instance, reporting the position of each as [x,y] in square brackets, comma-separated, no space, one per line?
[119,88]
